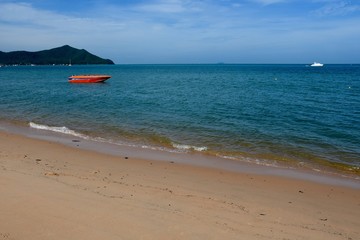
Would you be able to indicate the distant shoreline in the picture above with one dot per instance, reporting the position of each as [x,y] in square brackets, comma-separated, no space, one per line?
[65,55]
[179,64]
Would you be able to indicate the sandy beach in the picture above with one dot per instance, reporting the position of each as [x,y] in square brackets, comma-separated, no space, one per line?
[53,191]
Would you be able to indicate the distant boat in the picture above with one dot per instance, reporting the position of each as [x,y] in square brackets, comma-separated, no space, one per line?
[316,64]
[88,78]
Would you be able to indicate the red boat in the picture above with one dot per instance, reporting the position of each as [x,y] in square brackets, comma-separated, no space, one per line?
[88,78]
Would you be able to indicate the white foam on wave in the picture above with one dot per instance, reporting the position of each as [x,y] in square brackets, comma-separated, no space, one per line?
[256,161]
[67,131]
[63,130]
[188,147]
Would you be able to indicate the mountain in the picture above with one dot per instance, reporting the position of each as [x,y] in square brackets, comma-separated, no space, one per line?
[61,55]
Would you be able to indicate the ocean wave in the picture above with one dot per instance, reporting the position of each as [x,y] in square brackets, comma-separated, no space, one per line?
[188,147]
[63,130]
[67,131]
[254,160]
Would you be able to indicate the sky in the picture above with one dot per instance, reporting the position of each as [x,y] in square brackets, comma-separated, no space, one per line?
[188,31]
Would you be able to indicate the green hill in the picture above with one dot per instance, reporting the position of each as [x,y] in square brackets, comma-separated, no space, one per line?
[61,55]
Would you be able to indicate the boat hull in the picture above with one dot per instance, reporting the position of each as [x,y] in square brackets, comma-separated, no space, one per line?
[88,78]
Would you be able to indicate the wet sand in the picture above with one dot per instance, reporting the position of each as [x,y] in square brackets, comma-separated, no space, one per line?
[53,191]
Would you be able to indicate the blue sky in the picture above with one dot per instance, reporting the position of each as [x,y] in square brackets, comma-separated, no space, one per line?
[184,31]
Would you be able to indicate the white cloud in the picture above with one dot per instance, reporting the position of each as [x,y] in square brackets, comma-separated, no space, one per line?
[20,12]
[163,7]
[29,28]
[337,8]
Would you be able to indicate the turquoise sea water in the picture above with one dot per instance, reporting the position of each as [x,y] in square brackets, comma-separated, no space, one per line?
[293,114]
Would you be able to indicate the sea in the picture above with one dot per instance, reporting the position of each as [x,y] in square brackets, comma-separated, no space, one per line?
[289,115]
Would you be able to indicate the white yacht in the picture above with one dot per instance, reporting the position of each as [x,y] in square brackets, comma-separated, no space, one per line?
[316,64]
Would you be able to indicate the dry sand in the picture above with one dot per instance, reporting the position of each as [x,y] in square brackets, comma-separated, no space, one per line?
[52,191]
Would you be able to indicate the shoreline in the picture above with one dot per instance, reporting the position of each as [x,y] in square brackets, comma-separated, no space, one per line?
[198,159]
[50,190]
